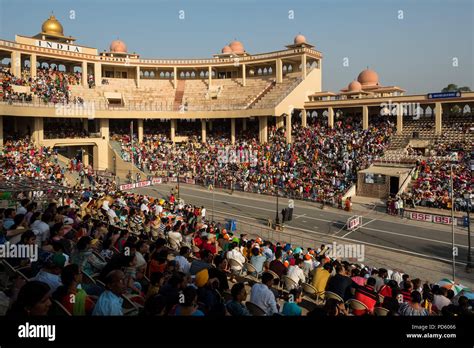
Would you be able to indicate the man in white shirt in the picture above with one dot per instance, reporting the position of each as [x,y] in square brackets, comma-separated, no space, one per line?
[296,274]
[262,296]
[308,265]
[112,216]
[41,229]
[203,213]
[144,206]
[235,254]
[182,259]
[440,300]
[158,209]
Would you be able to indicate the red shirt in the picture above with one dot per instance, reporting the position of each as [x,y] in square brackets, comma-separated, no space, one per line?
[211,247]
[368,296]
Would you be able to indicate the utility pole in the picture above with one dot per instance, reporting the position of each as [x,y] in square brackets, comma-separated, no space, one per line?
[452,223]
[467,196]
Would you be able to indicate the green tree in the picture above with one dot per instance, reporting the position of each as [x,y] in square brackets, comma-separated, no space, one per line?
[454,88]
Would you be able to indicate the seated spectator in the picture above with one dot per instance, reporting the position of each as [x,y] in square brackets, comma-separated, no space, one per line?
[291,308]
[33,300]
[277,265]
[50,273]
[110,301]
[156,282]
[413,308]
[321,277]
[440,299]
[340,284]
[367,295]
[85,258]
[296,274]
[407,289]
[220,272]
[189,306]
[235,307]
[257,260]
[235,254]
[182,259]
[205,262]
[74,299]
[262,296]
[332,308]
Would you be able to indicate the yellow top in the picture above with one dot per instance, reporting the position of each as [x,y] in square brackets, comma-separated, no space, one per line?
[52,26]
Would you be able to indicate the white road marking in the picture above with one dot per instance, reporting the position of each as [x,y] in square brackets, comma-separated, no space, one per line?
[324,220]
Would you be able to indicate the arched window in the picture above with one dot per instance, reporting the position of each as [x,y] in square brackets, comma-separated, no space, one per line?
[259,72]
[162,75]
[265,71]
[182,74]
[213,73]
[270,70]
[290,68]
[285,69]
[193,75]
[146,74]
[314,114]
[167,75]
[152,74]
[188,75]
[202,74]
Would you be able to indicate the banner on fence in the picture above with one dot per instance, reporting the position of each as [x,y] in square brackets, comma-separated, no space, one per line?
[126,187]
[143,183]
[155,181]
[437,219]
[190,181]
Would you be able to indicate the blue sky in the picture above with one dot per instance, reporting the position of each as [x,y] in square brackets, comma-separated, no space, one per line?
[415,52]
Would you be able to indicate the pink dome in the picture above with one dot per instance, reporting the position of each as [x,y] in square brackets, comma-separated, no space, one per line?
[299,39]
[118,46]
[368,78]
[354,86]
[226,49]
[237,47]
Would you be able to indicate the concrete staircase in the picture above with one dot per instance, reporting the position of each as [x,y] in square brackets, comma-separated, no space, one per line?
[178,96]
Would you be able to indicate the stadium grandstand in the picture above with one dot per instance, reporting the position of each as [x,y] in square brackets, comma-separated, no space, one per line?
[83,131]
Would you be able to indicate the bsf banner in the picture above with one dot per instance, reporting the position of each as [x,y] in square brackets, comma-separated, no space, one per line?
[354,222]
[173,179]
[156,181]
[143,184]
[437,219]
[127,187]
[190,181]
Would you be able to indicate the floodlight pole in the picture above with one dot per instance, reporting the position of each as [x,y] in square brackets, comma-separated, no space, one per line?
[452,223]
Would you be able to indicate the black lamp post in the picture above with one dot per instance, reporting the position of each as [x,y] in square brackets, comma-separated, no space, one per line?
[467,196]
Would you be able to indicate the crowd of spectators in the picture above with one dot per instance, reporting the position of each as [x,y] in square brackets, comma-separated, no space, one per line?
[432,177]
[320,164]
[49,85]
[113,250]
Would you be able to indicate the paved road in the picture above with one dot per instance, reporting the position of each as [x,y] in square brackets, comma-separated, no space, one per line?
[378,229]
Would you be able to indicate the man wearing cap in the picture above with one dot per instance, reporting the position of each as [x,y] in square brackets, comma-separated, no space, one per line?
[308,265]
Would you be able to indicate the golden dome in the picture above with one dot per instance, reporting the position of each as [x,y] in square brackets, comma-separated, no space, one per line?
[52,26]
[118,46]
[368,77]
